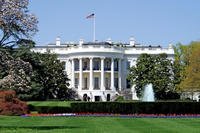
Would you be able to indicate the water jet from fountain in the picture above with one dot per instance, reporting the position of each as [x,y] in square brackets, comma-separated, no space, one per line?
[148,95]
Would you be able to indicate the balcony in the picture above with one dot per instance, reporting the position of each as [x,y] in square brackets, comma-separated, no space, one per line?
[95,68]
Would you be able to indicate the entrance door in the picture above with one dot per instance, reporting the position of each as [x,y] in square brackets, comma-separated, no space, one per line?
[97,98]
[108,97]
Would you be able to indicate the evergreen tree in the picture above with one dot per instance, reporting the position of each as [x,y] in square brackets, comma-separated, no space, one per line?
[155,69]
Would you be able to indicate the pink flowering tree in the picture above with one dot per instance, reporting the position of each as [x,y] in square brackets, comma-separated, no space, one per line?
[16,22]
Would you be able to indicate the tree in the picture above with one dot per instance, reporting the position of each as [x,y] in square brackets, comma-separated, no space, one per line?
[48,77]
[139,74]
[191,79]
[181,56]
[16,22]
[155,69]
[14,74]
[163,77]
[11,105]
[52,77]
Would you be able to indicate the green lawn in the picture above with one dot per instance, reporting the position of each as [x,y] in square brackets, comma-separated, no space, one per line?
[50,103]
[15,124]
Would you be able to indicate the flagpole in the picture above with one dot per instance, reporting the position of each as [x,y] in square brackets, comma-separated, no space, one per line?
[94,29]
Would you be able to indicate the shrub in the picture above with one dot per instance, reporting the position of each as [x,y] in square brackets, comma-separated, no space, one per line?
[49,109]
[119,98]
[137,107]
[10,105]
[123,108]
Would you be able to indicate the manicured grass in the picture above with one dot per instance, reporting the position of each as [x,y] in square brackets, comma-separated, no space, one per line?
[16,124]
[50,103]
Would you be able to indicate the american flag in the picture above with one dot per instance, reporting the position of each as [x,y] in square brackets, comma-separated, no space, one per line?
[90,16]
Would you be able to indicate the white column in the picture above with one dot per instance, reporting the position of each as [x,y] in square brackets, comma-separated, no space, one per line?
[91,74]
[72,73]
[119,75]
[102,75]
[66,64]
[80,74]
[112,75]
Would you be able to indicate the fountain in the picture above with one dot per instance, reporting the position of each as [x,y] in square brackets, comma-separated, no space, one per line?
[148,95]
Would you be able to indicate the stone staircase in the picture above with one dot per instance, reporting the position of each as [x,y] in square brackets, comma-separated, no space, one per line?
[126,93]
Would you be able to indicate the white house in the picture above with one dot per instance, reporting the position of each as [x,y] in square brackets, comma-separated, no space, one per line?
[98,70]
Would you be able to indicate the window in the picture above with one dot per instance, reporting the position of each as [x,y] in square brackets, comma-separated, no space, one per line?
[107,83]
[85,82]
[107,65]
[76,82]
[96,83]
[85,65]
[116,83]
[116,65]
[76,63]
[108,97]
[96,65]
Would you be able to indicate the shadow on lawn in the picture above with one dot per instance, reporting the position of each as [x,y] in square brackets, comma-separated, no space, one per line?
[39,127]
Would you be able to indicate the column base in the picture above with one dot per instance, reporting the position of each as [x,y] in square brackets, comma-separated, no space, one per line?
[102,88]
[91,89]
[113,88]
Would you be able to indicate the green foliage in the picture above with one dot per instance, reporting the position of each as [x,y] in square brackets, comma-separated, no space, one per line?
[50,109]
[50,106]
[155,69]
[187,66]
[119,98]
[137,107]
[181,54]
[49,81]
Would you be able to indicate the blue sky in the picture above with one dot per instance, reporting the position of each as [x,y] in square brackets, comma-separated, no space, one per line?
[155,22]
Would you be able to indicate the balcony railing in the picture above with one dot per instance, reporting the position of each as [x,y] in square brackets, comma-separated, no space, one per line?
[95,68]
[107,68]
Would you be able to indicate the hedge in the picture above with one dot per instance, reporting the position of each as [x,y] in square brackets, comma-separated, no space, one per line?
[123,108]
[137,107]
[50,109]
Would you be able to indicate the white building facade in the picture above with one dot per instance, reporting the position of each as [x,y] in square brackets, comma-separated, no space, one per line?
[98,71]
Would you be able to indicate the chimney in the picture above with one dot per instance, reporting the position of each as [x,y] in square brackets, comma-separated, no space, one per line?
[109,40]
[81,41]
[132,41]
[170,46]
[58,41]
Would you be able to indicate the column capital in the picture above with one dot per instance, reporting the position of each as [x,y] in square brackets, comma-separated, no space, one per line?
[91,58]
[70,59]
[103,58]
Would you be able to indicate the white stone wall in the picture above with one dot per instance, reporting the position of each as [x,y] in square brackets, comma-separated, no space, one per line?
[125,54]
